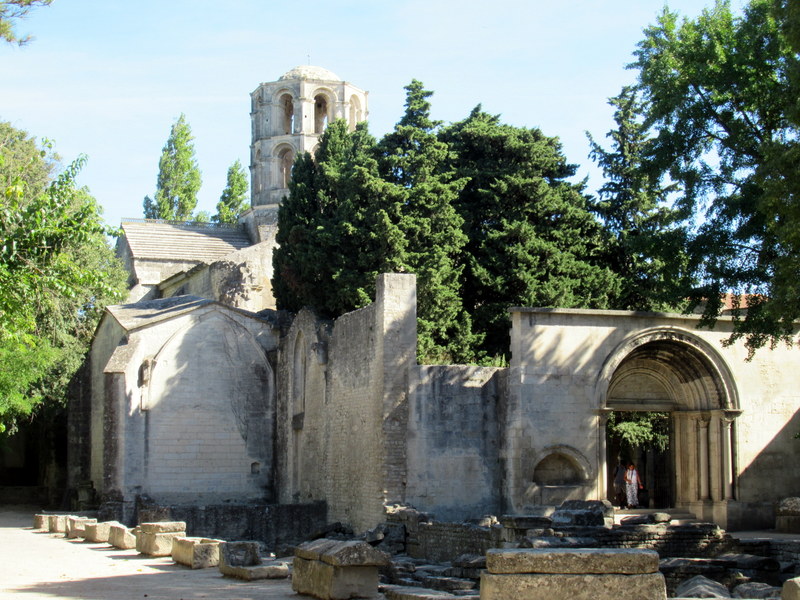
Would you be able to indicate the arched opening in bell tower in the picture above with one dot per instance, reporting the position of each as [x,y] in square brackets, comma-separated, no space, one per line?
[356,114]
[287,114]
[321,113]
[285,163]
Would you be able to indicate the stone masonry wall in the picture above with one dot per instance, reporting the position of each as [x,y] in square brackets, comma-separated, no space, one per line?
[453,436]
[355,451]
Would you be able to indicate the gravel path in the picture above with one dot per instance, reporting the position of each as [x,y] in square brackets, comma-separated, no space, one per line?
[37,565]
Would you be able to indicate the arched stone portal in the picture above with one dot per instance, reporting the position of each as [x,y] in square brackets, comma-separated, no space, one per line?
[668,370]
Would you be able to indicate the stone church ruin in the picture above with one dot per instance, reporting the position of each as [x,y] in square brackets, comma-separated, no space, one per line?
[199,394]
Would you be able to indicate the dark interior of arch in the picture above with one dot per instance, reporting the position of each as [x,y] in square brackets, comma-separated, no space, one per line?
[690,376]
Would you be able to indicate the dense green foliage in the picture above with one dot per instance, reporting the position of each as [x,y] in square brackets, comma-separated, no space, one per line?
[531,238]
[12,11]
[57,272]
[721,95]
[481,212]
[358,209]
[416,162]
[337,230]
[233,200]
[647,238]
[639,430]
[178,177]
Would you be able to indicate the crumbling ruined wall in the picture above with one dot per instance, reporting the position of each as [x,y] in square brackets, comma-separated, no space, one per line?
[242,280]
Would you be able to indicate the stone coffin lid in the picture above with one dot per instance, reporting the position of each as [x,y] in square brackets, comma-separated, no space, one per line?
[569,560]
[351,553]
[163,527]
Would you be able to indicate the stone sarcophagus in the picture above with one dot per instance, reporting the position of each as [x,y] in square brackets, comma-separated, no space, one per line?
[578,574]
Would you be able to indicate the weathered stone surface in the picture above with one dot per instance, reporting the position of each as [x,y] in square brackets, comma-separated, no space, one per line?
[242,560]
[354,553]
[557,542]
[755,589]
[99,532]
[598,513]
[156,544]
[788,507]
[648,586]
[195,552]
[57,523]
[314,549]
[559,560]
[329,582]
[402,592]
[751,561]
[240,554]
[791,589]
[122,537]
[701,587]
[526,521]
[163,527]
[266,570]
[41,521]
[76,526]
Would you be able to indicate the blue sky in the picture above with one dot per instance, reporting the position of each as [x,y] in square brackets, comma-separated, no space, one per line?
[108,78]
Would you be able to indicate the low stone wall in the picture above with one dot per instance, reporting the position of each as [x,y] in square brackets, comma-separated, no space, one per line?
[445,541]
[442,542]
[278,526]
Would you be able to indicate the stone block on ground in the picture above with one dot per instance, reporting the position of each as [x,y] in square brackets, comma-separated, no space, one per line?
[328,582]
[41,521]
[122,537]
[755,589]
[163,527]
[583,513]
[648,586]
[99,532]
[196,552]
[333,569]
[156,544]
[76,527]
[574,561]
[242,560]
[57,523]
[701,587]
[791,589]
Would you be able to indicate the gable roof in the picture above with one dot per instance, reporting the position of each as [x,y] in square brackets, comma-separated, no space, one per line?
[162,240]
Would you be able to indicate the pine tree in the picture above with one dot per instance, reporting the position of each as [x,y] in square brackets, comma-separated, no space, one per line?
[647,247]
[233,200]
[415,161]
[178,177]
[531,239]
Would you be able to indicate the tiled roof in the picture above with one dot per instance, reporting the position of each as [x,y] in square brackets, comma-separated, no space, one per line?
[180,242]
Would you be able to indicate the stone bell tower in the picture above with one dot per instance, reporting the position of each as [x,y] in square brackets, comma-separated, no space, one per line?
[288,116]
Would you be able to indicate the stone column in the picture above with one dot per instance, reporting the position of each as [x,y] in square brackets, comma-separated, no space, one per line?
[702,446]
[727,457]
[715,457]
[602,453]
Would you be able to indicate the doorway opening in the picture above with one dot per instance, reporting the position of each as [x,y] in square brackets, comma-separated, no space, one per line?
[644,439]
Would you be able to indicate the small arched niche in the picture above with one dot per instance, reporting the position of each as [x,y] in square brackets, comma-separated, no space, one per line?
[557,469]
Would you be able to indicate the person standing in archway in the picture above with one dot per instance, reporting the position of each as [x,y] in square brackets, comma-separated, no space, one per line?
[632,486]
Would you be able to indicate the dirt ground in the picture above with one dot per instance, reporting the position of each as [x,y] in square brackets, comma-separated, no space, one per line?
[38,565]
